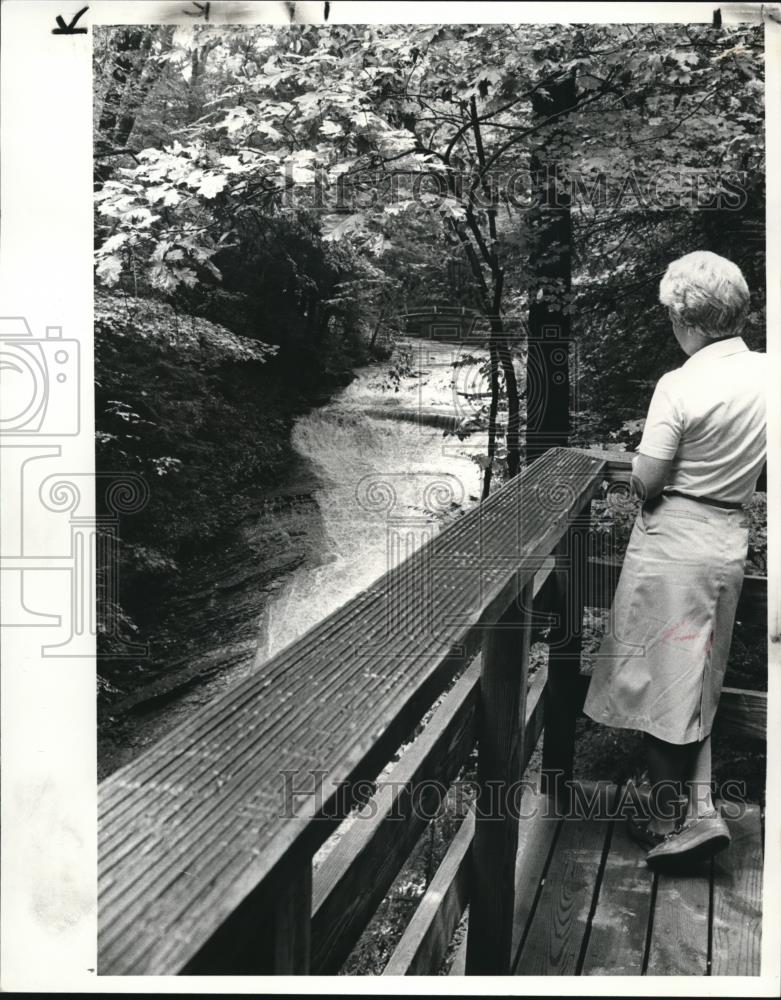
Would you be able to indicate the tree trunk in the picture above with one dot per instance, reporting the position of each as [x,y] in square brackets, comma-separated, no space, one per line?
[494,409]
[377,326]
[500,343]
[547,384]
[133,77]
[128,45]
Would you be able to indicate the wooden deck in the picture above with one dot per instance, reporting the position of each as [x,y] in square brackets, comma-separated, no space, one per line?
[587,903]
[201,833]
[207,840]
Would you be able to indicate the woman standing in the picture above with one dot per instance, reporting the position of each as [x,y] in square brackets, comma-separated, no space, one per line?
[661,665]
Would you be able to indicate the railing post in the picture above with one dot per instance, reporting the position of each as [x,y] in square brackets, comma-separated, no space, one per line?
[292,925]
[501,719]
[566,689]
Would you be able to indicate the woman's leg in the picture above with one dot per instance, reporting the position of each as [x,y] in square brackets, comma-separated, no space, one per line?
[669,768]
[699,781]
[678,772]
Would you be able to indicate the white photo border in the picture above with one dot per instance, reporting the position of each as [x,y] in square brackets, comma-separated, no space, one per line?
[49,787]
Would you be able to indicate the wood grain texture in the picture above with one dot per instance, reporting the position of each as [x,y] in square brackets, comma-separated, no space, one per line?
[679,938]
[737,899]
[617,938]
[560,920]
[293,925]
[565,690]
[425,940]
[536,832]
[205,818]
[536,841]
[742,713]
[618,464]
[501,723]
[355,876]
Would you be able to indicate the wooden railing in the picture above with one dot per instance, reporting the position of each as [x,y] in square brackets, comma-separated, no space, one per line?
[207,839]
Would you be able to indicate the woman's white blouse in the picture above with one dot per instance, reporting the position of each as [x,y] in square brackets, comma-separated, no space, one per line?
[709,417]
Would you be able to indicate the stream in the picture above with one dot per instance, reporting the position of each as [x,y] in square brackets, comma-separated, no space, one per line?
[377,476]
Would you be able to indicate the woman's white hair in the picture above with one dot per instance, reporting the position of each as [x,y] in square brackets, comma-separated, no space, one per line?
[707,292]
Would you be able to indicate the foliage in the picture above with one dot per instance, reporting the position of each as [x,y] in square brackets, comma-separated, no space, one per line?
[268,200]
[176,402]
[400,366]
[414,147]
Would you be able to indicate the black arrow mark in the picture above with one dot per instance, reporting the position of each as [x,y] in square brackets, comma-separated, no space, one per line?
[70,29]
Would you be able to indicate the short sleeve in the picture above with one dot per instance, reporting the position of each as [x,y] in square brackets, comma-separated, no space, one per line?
[664,423]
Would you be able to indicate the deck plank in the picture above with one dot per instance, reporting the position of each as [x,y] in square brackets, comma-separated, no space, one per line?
[737,899]
[617,939]
[560,920]
[536,839]
[679,939]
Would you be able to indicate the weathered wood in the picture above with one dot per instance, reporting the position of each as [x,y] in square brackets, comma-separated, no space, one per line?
[536,833]
[207,817]
[357,863]
[737,899]
[353,879]
[619,929]
[617,934]
[270,932]
[618,464]
[425,940]
[742,713]
[292,925]
[560,920]
[565,690]
[536,840]
[679,936]
[501,720]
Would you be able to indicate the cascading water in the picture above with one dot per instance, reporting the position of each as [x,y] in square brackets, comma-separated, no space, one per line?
[385,479]
[389,479]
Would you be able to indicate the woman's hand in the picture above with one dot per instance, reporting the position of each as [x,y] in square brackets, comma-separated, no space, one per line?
[649,475]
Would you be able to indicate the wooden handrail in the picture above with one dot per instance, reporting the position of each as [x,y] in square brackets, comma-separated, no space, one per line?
[204,868]
[201,856]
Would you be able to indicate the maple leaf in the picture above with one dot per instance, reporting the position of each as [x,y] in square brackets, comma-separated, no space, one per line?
[212,184]
[109,269]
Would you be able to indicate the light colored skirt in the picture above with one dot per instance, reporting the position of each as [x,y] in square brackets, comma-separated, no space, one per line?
[661,664]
